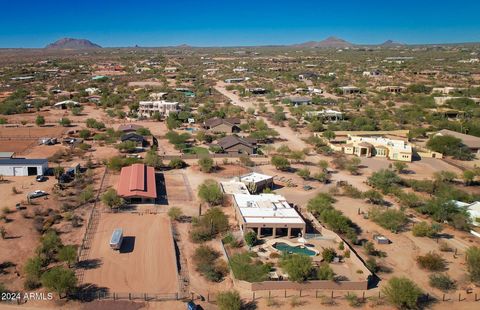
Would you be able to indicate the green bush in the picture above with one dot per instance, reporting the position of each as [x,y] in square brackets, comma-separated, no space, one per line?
[229,300]
[431,261]
[177,163]
[328,254]
[205,259]
[206,164]
[206,227]
[210,192]
[298,266]
[246,269]
[472,258]
[325,272]
[391,219]
[402,292]
[422,229]
[442,281]
[384,180]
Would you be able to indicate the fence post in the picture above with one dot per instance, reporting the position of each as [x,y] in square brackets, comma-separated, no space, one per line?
[253,296]
[285,294]
[363,296]
[316,293]
[332,295]
[208,296]
[300,293]
[459,296]
[270,294]
[129,296]
[475,296]
[443,297]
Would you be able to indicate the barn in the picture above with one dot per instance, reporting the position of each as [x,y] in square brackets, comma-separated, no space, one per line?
[23,166]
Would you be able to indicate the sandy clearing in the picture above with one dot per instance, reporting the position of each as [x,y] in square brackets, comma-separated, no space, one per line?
[149,268]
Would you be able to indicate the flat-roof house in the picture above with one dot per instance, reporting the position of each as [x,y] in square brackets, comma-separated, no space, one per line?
[267,215]
[236,80]
[65,104]
[164,108]
[300,100]
[327,115]
[137,184]
[23,166]
[237,145]
[256,182]
[472,142]
[226,125]
[348,90]
[392,89]
[378,146]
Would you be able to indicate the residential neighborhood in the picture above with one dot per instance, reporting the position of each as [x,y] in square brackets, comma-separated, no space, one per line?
[226,157]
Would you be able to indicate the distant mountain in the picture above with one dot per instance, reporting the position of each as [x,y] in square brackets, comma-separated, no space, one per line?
[331,42]
[75,44]
[390,43]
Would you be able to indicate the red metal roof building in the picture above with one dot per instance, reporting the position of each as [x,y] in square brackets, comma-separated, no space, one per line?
[137,184]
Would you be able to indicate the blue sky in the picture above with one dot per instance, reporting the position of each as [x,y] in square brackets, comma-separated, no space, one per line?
[29,23]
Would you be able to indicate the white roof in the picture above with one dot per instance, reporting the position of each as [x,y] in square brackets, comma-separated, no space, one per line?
[266,208]
[397,144]
[66,102]
[233,187]
[254,177]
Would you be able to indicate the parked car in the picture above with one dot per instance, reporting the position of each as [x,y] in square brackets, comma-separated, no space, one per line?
[41,178]
[37,193]
[191,306]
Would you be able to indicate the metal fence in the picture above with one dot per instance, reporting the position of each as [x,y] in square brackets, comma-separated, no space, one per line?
[105,295]
[92,223]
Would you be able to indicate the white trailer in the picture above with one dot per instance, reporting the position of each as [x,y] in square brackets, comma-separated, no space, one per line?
[117,238]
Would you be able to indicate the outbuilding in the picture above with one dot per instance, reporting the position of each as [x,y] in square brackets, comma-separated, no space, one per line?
[23,166]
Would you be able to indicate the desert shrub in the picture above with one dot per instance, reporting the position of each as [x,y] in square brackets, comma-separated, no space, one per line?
[352,192]
[176,163]
[207,263]
[328,254]
[391,219]
[325,272]
[402,292]
[353,300]
[280,163]
[206,164]
[384,180]
[442,281]
[299,267]
[250,238]
[175,213]
[247,269]
[431,261]
[60,280]
[206,227]
[210,192]
[229,300]
[422,229]
[472,258]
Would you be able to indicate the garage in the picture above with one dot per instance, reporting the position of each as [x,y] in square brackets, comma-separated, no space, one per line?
[23,166]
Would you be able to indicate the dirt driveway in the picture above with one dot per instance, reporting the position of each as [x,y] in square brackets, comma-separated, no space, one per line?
[146,263]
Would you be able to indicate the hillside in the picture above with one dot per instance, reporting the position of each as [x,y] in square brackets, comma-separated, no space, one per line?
[70,43]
